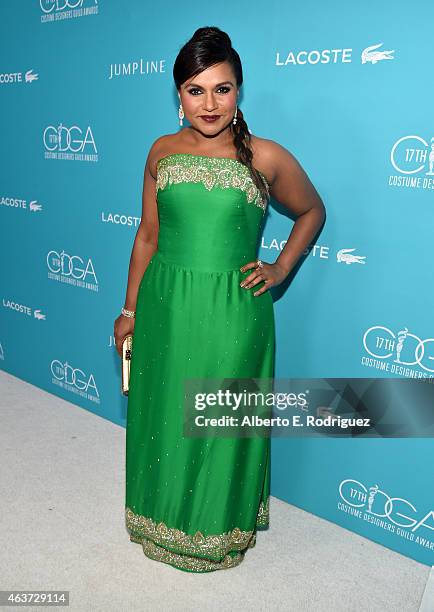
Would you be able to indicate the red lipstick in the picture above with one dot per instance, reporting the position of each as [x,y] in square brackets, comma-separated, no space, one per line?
[210,118]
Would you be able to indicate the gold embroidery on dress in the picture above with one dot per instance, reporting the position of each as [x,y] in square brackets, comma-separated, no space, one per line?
[153,551]
[210,171]
[263,517]
[154,536]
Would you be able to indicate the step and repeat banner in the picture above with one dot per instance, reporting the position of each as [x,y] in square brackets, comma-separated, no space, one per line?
[86,87]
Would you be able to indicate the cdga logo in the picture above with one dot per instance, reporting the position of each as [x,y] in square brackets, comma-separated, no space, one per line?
[413,159]
[401,348]
[72,269]
[74,379]
[69,139]
[374,501]
[48,6]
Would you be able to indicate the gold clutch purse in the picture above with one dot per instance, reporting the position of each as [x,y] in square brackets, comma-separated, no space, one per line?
[127,347]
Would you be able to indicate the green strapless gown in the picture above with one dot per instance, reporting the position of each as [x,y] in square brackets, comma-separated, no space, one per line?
[196,503]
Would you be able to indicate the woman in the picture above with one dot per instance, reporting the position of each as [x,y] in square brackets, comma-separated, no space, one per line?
[198,303]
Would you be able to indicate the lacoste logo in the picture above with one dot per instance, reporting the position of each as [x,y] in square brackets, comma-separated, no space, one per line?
[346,256]
[371,55]
[34,206]
[30,76]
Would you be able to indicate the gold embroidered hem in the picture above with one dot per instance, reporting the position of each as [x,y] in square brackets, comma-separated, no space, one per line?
[222,172]
[196,552]
[186,562]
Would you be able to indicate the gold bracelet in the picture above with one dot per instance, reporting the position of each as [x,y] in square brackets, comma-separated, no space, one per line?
[128,313]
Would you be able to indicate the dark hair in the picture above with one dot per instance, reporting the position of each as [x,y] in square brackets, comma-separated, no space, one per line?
[209,46]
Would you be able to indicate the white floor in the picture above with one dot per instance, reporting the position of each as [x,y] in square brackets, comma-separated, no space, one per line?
[62,527]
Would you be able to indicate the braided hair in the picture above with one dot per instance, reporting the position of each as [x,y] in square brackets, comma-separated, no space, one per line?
[209,46]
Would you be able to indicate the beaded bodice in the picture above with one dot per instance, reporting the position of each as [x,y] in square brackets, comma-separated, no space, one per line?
[210,212]
[223,172]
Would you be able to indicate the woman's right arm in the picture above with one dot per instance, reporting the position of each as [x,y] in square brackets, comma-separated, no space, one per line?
[144,246]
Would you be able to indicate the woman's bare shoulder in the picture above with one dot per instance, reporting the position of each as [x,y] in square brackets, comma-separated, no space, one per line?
[269,155]
[266,149]
[162,146]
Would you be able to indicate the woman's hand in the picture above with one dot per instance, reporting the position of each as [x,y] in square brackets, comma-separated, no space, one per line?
[271,274]
[123,326]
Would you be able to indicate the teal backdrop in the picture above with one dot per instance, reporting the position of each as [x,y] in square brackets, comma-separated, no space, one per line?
[86,87]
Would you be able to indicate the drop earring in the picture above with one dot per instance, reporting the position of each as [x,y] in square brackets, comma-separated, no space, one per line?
[180,114]
[234,120]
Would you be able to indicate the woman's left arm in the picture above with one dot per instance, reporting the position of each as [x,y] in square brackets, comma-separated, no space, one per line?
[291,187]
